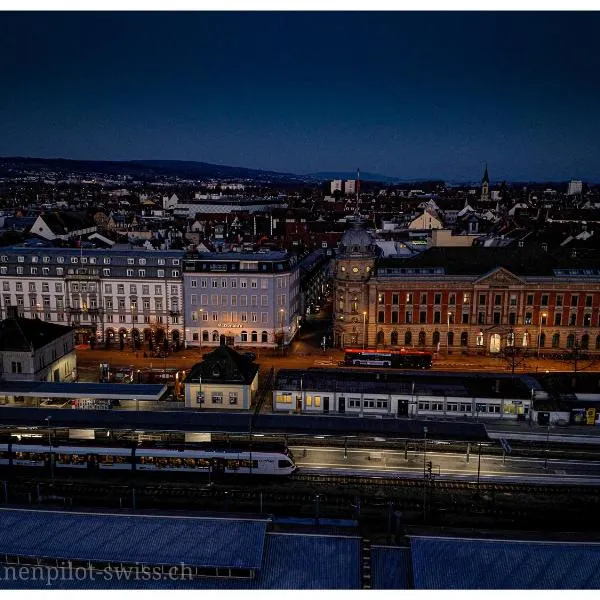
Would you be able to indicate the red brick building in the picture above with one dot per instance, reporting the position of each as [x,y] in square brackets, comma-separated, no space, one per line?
[466,299]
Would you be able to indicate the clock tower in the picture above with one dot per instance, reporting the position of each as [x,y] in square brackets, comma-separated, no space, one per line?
[354,264]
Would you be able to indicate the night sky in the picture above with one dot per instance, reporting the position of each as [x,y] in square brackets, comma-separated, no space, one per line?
[402,94]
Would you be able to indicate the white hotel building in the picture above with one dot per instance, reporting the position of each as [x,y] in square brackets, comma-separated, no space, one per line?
[246,299]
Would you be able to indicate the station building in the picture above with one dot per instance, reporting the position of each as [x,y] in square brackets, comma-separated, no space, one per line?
[466,300]
[368,393]
[242,299]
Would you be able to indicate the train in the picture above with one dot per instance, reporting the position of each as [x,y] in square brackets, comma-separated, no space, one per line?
[227,460]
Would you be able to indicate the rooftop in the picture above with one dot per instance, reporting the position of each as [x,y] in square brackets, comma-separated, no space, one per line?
[25,335]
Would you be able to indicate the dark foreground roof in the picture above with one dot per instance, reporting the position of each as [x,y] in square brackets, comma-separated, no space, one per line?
[24,335]
[204,542]
[454,563]
[280,560]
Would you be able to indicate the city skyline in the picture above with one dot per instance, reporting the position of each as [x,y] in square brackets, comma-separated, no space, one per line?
[408,95]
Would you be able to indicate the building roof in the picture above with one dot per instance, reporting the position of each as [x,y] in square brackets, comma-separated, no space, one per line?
[391,568]
[357,240]
[205,542]
[97,391]
[223,365]
[25,335]
[474,260]
[62,223]
[417,383]
[486,177]
[280,560]
[454,563]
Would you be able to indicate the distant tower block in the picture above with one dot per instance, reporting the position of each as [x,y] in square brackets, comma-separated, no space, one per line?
[575,188]
[336,185]
[350,187]
[485,185]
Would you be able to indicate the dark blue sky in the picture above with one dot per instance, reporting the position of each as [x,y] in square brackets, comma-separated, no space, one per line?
[402,94]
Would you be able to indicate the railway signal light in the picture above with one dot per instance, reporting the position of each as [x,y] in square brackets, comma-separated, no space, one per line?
[429,467]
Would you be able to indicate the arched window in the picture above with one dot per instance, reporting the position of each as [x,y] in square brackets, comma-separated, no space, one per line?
[585,341]
[264,337]
[526,339]
[421,338]
[254,336]
[556,340]
[570,340]
[205,336]
[542,340]
[215,336]
[464,339]
[436,337]
[408,338]
[244,336]
[394,338]
[450,338]
[380,337]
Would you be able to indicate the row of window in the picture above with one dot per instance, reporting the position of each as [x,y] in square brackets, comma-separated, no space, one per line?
[410,297]
[92,260]
[482,318]
[217,397]
[232,317]
[467,407]
[526,340]
[105,272]
[233,283]
[223,300]
[215,336]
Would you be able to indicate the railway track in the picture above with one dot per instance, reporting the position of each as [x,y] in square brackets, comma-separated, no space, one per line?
[442,503]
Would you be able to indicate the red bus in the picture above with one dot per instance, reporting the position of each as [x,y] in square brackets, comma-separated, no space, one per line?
[395,359]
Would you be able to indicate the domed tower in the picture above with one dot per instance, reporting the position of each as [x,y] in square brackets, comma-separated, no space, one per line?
[354,264]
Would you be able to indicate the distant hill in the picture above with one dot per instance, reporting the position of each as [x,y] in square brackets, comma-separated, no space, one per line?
[327,175]
[148,169]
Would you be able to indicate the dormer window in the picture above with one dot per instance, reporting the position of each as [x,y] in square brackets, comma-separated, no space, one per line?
[216,372]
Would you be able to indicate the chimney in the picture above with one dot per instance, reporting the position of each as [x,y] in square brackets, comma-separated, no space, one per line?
[12,312]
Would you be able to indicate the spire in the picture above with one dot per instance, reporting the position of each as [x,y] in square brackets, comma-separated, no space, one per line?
[486,177]
[357,192]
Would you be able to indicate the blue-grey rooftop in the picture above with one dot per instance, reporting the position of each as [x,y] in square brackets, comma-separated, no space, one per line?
[453,563]
[251,256]
[391,568]
[149,539]
[83,390]
[280,560]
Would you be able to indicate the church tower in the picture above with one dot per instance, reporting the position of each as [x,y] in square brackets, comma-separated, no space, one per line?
[485,186]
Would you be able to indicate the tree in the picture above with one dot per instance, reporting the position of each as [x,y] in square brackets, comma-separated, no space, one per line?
[515,357]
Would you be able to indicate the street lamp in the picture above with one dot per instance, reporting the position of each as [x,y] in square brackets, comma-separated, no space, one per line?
[424,470]
[200,311]
[542,316]
[48,419]
[364,328]
[281,311]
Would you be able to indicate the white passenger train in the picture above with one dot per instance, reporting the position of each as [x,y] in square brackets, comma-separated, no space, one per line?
[230,460]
